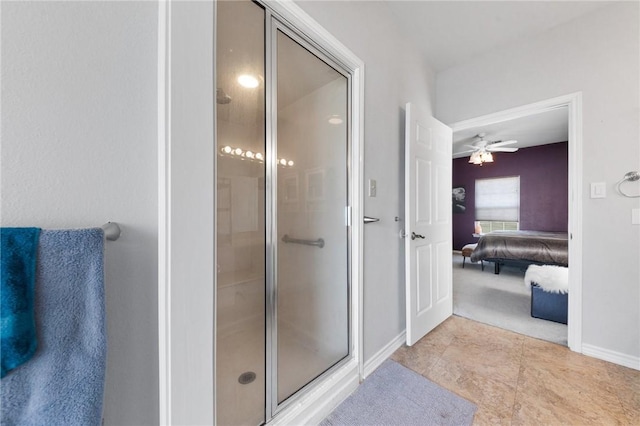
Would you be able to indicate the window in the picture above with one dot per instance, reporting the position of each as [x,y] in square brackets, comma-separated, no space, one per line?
[498,203]
[488,226]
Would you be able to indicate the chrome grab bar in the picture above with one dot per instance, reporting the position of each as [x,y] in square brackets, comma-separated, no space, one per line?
[317,243]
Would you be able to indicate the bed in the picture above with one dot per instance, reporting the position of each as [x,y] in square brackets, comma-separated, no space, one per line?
[522,248]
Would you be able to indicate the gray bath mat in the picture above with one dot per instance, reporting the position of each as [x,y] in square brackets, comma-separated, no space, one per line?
[395,395]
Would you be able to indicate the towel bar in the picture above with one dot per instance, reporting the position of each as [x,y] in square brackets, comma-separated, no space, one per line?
[629,177]
[111,231]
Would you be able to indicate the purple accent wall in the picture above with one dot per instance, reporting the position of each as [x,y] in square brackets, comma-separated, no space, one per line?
[544,188]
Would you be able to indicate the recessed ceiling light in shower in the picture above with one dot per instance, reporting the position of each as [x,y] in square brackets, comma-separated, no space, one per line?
[248,81]
[334,119]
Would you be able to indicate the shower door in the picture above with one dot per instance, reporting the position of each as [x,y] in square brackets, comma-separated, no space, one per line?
[282,235]
[310,252]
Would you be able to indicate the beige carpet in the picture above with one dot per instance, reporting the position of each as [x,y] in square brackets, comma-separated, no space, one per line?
[499,300]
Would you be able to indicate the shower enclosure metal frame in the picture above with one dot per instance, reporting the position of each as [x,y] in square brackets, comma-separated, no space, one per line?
[273,25]
[301,28]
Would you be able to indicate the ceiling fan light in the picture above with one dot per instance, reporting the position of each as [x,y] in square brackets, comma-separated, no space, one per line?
[487,157]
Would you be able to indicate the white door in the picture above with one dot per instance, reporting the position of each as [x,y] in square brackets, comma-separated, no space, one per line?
[427,222]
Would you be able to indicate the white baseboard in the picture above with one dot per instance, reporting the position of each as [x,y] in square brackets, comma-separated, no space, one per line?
[313,407]
[376,360]
[611,356]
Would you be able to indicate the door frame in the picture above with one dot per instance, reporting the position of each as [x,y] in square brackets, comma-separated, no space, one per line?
[186,215]
[573,103]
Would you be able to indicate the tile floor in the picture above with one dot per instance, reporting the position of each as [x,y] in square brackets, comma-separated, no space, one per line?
[518,380]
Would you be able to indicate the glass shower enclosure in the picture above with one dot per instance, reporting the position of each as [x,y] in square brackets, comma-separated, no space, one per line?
[282,236]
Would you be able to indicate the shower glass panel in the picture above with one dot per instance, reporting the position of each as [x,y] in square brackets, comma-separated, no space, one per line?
[312,237]
[240,310]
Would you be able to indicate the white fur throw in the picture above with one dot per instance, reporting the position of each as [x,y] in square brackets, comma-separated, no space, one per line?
[551,278]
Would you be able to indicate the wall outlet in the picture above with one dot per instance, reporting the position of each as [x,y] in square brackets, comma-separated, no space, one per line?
[373,189]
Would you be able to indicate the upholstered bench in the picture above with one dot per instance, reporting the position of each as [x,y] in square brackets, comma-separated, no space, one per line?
[466,252]
[549,292]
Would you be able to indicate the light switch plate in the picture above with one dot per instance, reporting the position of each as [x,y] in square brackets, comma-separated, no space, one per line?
[373,189]
[635,216]
[598,190]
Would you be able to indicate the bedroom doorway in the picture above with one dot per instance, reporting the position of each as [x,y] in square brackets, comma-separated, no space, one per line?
[564,116]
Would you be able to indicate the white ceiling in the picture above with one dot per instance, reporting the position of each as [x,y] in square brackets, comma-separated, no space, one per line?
[539,129]
[451,33]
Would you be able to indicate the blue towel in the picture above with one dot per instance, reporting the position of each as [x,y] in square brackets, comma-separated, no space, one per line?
[18,251]
[63,384]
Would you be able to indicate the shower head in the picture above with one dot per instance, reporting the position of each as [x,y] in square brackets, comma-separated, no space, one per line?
[222,98]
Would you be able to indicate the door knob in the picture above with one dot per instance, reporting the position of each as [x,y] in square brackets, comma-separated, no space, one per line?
[414,236]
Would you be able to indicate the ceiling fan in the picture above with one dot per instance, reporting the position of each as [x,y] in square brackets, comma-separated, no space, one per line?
[481,149]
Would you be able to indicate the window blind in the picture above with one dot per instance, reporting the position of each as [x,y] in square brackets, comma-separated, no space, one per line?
[498,199]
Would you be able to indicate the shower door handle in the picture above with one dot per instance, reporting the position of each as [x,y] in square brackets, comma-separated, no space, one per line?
[316,243]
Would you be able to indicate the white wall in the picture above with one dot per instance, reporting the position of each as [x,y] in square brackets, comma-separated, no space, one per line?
[187,224]
[394,74]
[597,54]
[79,149]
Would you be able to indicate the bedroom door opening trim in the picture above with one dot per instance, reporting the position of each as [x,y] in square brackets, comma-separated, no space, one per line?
[573,103]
